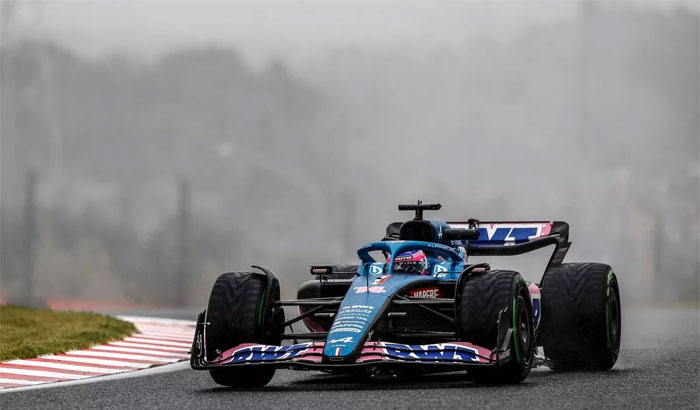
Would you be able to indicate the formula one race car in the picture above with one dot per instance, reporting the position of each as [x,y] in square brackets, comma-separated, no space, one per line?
[414,305]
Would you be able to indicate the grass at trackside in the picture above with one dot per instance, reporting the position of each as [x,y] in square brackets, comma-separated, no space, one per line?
[27,332]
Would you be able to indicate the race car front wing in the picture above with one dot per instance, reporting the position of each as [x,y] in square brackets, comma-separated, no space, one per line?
[309,355]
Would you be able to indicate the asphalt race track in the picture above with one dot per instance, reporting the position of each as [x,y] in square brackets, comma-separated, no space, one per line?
[659,367]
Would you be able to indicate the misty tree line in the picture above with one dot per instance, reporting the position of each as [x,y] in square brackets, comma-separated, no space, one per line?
[594,121]
[128,133]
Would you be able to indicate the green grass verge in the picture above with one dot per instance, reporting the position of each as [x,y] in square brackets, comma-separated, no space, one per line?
[27,332]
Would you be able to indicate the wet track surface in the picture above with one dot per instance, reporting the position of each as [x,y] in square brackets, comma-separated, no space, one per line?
[659,367]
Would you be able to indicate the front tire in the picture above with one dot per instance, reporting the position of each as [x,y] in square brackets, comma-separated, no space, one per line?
[482,299]
[236,314]
[581,320]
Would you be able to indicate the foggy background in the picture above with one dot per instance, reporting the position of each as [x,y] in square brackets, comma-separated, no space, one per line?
[148,147]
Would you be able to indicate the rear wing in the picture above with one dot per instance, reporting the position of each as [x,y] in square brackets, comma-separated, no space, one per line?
[507,238]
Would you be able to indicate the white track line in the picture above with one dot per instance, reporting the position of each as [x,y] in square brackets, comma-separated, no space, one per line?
[166,328]
[138,351]
[121,356]
[161,339]
[167,337]
[142,319]
[168,332]
[19,381]
[171,349]
[62,366]
[104,362]
[170,337]
[182,336]
[42,373]
[177,338]
[160,342]
[183,332]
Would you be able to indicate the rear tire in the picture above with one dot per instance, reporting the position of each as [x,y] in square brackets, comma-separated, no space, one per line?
[483,297]
[581,323]
[235,315]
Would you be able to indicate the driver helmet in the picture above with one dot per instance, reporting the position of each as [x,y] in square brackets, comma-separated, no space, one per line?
[413,262]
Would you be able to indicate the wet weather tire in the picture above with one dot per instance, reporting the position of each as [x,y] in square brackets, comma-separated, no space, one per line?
[581,323]
[482,298]
[235,315]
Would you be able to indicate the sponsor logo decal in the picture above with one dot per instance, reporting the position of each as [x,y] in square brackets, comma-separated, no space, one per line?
[439,269]
[371,289]
[264,353]
[440,246]
[376,269]
[426,293]
[351,319]
[346,329]
[447,352]
[508,235]
[435,352]
[381,280]
[343,340]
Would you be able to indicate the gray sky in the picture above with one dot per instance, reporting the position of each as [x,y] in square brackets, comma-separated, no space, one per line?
[293,30]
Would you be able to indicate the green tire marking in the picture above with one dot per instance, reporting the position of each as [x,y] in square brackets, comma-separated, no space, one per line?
[611,275]
[516,347]
[260,308]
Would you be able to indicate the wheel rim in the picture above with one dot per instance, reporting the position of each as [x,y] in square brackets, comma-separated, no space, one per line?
[614,319]
[523,330]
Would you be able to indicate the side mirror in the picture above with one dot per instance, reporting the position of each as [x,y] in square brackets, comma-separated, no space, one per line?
[460,234]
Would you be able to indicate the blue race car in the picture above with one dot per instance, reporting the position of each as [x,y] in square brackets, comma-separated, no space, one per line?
[415,305]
